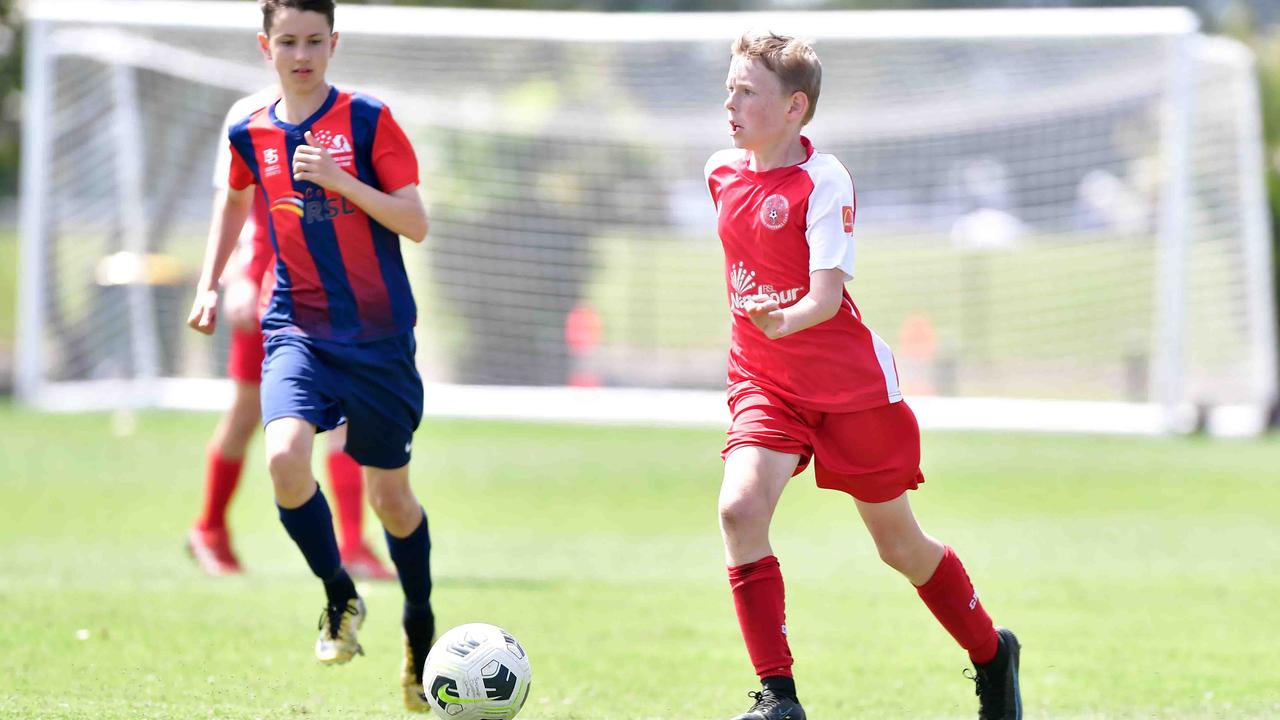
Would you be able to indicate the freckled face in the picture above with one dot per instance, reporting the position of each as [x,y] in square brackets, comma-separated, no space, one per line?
[756,104]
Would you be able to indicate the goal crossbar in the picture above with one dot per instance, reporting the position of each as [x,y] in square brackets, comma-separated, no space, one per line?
[582,26]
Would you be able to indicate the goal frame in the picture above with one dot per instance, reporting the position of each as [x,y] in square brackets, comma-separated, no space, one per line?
[1166,412]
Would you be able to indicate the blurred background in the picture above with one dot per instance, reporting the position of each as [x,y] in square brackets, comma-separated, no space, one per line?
[1086,212]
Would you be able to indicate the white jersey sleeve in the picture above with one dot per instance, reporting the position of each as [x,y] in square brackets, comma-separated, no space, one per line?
[222,168]
[719,159]
[222,163]
[829,222]
[239,111]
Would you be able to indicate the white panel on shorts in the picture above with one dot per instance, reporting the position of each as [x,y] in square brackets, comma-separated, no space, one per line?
[885,357]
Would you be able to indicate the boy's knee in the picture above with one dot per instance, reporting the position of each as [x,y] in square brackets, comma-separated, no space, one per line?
[390,498]
[288,465]
[742,513]
[913,557]
[896,555]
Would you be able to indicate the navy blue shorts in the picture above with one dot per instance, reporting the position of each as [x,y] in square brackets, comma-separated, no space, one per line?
[373,386]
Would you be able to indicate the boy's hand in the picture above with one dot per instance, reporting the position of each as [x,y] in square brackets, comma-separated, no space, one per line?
[313,163]
[204,311]
[766,315]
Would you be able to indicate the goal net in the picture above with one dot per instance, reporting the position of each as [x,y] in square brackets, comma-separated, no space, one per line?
[1061,216]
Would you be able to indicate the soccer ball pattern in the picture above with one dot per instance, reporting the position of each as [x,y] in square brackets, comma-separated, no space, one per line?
[477,672]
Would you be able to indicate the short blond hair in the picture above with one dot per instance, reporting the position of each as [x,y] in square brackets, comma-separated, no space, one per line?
[793,61]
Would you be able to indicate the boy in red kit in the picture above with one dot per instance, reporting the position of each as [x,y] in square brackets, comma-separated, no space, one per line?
[209,541]
[808,380]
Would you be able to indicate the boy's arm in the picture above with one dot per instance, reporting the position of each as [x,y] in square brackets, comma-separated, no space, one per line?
[230,210]
[400,210]
[826,292]
[240,299]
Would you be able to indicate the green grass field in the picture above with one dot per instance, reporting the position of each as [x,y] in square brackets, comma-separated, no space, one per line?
[1140,574]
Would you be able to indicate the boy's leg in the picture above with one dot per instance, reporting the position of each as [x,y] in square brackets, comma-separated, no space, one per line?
[935,570]
[208,540]
[754,478]
[409,544]
[305,515]
[382,401]
[944,586]
[347,483]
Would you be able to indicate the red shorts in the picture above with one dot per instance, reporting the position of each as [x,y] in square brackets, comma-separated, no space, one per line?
[244,361]
[874,455]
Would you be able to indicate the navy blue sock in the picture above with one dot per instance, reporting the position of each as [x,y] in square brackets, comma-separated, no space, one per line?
[311,527]
[420,629]
[412,557]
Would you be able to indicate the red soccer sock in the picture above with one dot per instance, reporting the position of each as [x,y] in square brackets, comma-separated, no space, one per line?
[221,476]
[760,601]
[348,498]
[952,599]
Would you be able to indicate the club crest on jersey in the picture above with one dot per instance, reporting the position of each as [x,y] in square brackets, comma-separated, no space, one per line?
[774,211]
[337,144]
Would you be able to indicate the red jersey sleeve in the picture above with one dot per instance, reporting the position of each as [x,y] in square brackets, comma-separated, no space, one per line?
[240,176]
[393,158]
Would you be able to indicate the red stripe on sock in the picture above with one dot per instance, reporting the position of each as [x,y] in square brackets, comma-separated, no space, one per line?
[759,598]
[348,498]
[951,598]
[221,476]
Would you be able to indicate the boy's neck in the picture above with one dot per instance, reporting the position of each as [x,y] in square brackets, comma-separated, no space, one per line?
[786,152]
[295,107]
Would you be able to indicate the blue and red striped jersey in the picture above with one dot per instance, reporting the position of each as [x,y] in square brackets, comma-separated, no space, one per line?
[339,274]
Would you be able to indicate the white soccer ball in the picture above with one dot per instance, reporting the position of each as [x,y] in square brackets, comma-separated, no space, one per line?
[477,672]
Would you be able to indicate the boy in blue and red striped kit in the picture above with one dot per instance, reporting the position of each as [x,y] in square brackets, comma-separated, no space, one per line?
[809,381]
[339,179]
[209,540]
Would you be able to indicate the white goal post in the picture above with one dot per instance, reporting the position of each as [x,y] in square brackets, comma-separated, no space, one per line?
[1062,220]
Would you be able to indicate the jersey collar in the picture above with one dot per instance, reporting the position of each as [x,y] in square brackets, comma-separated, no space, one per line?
[305,124]
[754,175]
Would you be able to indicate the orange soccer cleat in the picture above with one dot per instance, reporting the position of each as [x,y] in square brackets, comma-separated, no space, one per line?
[211,549]
[362,564]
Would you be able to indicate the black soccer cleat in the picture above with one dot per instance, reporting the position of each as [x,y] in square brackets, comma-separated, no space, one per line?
[999,696]
[772,706]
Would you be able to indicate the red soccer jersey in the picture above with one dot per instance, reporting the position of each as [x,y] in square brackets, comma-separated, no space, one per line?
[338,274]
[777,227]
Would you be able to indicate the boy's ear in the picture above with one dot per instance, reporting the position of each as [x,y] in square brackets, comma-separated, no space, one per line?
[333,42]
[799,104]
[264,44]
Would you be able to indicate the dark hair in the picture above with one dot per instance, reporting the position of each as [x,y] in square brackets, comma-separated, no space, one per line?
[269,8]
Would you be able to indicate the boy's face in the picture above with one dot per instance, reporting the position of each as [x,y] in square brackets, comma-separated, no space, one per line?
[299,46]
[760,113]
